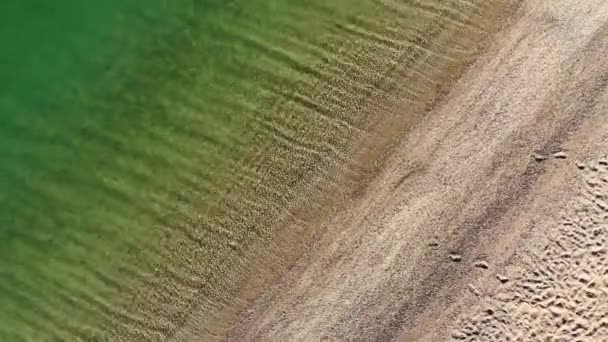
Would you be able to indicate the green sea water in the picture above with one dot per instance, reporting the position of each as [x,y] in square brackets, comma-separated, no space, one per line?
[132,133]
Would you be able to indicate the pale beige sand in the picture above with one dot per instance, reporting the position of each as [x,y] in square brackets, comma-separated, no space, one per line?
[475,191]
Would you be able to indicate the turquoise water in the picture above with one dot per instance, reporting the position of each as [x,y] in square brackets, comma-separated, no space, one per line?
[132,134]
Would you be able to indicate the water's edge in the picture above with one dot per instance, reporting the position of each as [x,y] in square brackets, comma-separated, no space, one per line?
[150,171]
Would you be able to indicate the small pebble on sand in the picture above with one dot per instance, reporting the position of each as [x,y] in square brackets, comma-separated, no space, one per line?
[482,264]
[455,257]
[560,155]
[502,278]
[474,290]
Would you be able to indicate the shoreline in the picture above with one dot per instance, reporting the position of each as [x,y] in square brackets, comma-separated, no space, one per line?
[223,130]
[287,259]
[401,262]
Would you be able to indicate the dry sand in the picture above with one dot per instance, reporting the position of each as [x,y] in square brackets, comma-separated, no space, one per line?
[490,221]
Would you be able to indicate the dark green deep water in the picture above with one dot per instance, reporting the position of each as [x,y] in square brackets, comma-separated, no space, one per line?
[123,121]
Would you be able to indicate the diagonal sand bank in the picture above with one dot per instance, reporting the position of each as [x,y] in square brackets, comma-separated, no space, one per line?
[468,194]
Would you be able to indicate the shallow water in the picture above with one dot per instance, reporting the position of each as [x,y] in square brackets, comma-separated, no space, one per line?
[124,124]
